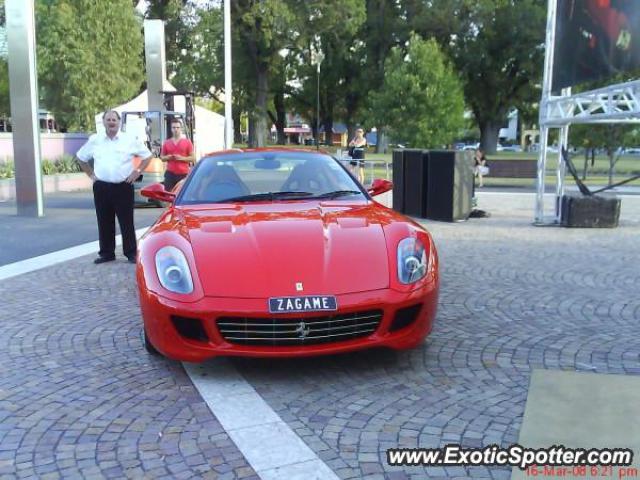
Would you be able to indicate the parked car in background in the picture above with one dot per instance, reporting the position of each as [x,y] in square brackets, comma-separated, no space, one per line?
[535,147]
[509,148]
[632,151]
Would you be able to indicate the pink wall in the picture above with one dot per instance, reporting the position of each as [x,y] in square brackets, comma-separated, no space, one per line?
[52,145]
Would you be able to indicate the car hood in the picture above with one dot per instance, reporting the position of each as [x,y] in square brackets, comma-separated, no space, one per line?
[274,249]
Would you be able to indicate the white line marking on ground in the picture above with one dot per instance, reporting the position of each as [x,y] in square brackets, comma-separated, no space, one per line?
[266,441]
[36,263]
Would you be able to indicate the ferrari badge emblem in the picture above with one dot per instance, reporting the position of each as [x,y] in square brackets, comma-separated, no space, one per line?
[303,330]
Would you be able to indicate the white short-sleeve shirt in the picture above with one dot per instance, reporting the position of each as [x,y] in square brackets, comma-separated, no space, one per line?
[112,157]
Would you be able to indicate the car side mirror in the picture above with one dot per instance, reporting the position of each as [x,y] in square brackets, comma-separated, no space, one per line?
[379,186]
[156,191]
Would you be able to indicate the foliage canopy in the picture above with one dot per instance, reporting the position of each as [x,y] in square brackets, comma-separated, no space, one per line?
[421,101]
[89,57]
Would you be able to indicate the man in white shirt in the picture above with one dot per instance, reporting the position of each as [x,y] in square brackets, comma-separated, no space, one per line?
[113,176]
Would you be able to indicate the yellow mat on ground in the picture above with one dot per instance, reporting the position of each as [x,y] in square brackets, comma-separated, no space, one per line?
[582,410]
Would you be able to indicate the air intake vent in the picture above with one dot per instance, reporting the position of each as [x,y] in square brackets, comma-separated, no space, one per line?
[190,328]
[405,317]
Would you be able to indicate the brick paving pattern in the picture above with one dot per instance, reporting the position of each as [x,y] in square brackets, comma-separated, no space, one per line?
[80,397]
[514,297]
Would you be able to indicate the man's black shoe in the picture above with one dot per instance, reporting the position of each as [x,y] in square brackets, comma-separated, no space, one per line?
[100,260]
[131,259]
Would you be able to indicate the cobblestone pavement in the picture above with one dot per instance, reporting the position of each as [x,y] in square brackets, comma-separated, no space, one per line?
[514,297]
[79,398]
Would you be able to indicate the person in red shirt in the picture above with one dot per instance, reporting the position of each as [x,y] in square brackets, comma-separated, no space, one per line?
[177,151]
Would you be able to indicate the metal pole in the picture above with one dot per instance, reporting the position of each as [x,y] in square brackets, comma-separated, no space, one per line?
[23,93]
[546,94]
[318,112]
[562,167]
[228,88]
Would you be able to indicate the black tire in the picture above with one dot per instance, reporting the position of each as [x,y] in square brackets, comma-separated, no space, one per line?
[148,346]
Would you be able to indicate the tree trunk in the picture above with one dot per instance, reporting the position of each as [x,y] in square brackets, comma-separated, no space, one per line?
[281,117]
[351,130]
[350,123]
[489,131]
[351,107]
[612,163]
[328,130]
[382,144]
[251,138]
[262,91]
[237,127]
[330,97]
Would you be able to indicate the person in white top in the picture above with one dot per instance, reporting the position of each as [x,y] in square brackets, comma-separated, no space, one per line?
[113,175]
[357,146]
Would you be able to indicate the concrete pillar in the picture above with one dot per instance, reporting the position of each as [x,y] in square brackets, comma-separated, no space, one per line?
[154,51]
[23,91]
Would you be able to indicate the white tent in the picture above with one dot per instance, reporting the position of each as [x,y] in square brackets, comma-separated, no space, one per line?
[209,126]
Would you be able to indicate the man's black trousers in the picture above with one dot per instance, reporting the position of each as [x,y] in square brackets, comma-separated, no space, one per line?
[171,179]
[114,200]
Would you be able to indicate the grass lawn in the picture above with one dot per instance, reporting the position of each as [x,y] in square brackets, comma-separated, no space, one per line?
[597,175]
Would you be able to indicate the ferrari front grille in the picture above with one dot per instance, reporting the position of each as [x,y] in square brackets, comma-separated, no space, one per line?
[298,331]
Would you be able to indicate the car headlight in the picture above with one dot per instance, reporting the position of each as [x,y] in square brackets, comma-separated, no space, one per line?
[412,260]
[173,270]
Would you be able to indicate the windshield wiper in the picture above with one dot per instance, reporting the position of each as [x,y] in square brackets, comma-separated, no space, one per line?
[338,193]
[266,196]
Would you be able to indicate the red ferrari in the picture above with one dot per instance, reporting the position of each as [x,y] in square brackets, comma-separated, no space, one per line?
[281,253]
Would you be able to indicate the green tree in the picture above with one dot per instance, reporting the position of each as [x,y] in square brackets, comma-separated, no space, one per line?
[264,27]
[609,137]
[176,32]
[199,66]
[195,52]
[421,101]
[386,26]
[498,48]
[193,43]
[328,27]
[5,107]
[89,57]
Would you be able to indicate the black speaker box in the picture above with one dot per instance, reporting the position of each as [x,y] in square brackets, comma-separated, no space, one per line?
[594,211]
[398,180]
[415,182]
[449,185]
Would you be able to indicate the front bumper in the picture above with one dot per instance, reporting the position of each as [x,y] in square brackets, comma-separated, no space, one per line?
[157,312]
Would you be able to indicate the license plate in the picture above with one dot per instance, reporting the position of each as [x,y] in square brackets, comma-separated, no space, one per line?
[311,303]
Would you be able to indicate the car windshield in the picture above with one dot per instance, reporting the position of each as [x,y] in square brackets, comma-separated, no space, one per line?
[267,176]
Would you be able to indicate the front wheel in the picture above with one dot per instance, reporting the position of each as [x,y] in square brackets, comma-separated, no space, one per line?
[148,346]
